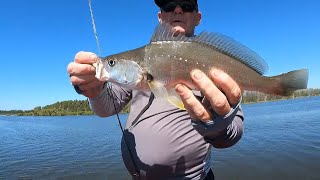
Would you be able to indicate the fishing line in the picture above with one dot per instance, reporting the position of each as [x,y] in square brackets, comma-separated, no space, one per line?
[94,29]
[112,95]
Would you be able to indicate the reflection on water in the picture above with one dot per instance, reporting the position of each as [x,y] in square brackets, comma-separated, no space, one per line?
[281,141]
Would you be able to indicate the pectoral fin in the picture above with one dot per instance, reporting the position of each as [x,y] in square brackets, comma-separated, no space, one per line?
[161,92]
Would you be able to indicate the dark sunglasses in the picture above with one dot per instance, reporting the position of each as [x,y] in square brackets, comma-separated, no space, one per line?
[186,6]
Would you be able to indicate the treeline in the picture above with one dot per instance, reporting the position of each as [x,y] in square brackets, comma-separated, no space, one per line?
[11,112]
[81,107]
[253,97]
[63,108]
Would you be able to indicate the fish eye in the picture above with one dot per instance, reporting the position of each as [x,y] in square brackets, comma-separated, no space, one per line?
[111,63]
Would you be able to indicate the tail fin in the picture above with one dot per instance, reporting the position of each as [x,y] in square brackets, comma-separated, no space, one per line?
[292,81]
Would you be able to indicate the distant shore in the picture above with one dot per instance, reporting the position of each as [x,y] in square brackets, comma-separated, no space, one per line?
[81,107]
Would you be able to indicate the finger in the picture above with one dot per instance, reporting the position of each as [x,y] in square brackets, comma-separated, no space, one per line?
[217,99]
[94,91]
[194,107]
[84,79]
[85,57]
[227,85]
[76,69]
[90,85]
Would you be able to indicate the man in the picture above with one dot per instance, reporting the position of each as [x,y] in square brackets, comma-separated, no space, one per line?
[161,141]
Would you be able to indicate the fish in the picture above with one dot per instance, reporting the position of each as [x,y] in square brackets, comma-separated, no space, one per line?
[170,57]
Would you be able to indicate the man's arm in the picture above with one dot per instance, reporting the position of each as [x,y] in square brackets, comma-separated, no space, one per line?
[111,100]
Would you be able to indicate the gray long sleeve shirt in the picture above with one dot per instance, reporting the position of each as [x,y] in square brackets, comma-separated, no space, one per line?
[164,142]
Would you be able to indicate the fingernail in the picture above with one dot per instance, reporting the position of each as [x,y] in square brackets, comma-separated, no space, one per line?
[179,88]
[215,72]
[197,74]
[93,57]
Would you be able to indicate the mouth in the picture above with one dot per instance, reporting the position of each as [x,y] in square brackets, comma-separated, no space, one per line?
[177,21]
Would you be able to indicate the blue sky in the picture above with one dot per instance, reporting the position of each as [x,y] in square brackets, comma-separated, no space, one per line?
[39,38]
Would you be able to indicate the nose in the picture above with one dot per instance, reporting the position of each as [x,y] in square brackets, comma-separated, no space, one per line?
[178,10]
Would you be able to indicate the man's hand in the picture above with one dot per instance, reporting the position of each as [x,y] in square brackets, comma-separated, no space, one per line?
[82,74]
[219,89]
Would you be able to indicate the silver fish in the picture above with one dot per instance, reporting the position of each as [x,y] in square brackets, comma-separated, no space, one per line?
[170,57]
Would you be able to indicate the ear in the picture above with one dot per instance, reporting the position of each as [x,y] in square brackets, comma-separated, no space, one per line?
[198,18]
[160,17]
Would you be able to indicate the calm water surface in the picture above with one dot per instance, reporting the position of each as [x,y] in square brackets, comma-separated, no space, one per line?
[281,141]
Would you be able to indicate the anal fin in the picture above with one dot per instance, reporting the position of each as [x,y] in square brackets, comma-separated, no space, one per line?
[175,99]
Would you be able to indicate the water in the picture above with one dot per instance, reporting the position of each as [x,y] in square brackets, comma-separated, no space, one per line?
[281,141]
[71,147]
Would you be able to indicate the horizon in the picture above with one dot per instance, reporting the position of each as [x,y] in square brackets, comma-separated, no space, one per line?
[40,38]
[245,93]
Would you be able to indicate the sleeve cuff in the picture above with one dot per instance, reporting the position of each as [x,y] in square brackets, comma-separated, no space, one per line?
[213,127]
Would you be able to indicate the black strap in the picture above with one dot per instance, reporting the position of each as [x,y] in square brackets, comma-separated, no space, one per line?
[151,98]
[136,175]
[210,175]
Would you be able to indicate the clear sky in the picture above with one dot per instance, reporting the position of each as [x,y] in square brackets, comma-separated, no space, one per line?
[39,38]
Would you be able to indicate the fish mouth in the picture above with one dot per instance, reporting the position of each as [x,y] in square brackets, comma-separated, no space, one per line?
[101,72]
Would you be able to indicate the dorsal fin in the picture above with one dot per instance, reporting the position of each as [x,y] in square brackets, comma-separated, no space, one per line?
[234,49]
[165,32]
[219,42]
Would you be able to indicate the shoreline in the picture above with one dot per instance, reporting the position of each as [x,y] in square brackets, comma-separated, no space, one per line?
[89,113]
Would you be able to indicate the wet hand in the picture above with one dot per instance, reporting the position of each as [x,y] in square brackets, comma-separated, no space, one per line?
[220,90]
[82,74]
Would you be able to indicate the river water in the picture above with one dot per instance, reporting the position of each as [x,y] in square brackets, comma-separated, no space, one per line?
[281,141]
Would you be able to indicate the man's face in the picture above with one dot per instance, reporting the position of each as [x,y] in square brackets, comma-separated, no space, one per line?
[179,17]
